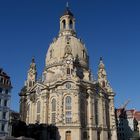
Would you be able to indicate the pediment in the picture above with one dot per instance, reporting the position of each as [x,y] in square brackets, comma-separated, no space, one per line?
[38,86]
[65,84]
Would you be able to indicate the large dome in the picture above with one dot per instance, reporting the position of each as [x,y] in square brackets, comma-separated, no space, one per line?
[66,44]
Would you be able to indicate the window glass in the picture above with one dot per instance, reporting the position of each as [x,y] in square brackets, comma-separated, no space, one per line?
[2,127]
[64,24]
[53,105]
[1,80]
[6,91]
[70,24]
[68,113]
[68,102]
[5,102]
[4,115]
[68,117]
[68,70]
[53,118]
[0,90]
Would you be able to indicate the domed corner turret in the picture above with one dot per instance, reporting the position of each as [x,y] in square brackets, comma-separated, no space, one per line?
[102,77]
[67,23]
[31,75]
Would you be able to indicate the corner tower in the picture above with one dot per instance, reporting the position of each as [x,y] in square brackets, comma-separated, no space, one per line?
[102,76]
[32,75]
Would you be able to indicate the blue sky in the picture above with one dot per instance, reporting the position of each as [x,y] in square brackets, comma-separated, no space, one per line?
[109,28]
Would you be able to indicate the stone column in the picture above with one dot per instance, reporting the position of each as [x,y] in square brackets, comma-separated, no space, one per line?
[112,118]
[91,119]
[93,111]
[104,111]
[105,131]
[90,114]
[61,115]
[67,23]
[42,107]
[76,109]
[100,108]
[33,112]
[46,109]
[100,115]
[73,24]
[30,115]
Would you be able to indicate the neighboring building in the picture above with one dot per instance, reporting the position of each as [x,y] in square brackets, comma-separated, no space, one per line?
[67,96]
[5,91]
[127,123]
[14,117]
[13,138]
[137,117]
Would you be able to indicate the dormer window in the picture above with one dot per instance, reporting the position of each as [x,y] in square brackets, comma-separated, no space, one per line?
[103,83]
[30,83]
[83,53]
[64,24]
[70,24]
[50,53]
[68,71]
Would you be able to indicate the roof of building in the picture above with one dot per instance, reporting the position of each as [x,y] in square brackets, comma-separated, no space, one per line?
[2,73]
[131,113]
[23,91]
[67,12]
[137,115]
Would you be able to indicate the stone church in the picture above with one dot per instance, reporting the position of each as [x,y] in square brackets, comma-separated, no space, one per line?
[67,96]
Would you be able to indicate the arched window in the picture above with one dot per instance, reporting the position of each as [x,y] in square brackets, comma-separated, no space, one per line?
[68,107]
[53,105]
[30,83]
[96,114]
[64,24]
[53,110]
[103,83]
[68,71]
[71,24]
[38,111]
[50,53]
[83,53]
[68,102]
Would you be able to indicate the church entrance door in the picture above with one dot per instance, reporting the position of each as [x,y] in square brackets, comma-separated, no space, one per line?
[68,135]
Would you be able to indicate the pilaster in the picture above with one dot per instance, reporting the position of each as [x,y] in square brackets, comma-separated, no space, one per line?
[112,118]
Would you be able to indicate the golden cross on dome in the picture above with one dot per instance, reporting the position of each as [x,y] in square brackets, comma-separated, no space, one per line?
[67,4]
